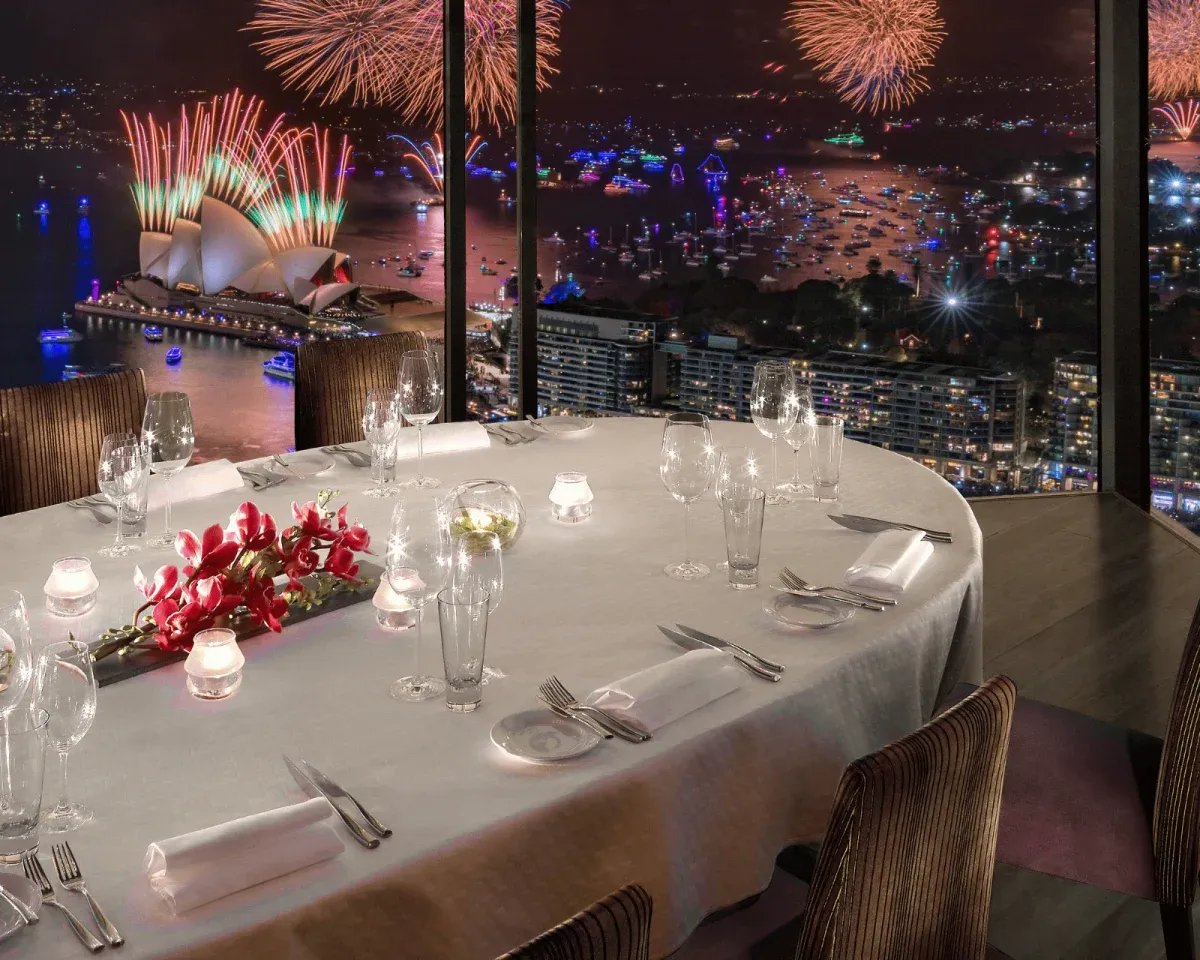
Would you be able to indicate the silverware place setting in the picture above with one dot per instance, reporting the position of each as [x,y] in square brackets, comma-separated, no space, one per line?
[71,877]
[874,525]
[33,871]
[96,506]
[751,662]
[315,784]
[260,479]
[510,433]
[356,458]
[801,587]
[554,694]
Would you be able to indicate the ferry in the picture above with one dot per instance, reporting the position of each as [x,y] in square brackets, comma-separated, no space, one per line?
[174,355]
[725,143]
[282,366]
[153,334]
[63,334]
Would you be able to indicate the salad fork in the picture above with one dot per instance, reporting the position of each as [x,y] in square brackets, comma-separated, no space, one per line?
[33,871]
[803,584]
[554,691]
[71,877]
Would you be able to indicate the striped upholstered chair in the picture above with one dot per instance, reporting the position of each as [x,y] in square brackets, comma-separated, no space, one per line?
[905,870]
[615,928]
[1111,807]
[332,380]
[51,433]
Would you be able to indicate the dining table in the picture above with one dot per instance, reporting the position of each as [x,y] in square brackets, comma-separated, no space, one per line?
[488,850]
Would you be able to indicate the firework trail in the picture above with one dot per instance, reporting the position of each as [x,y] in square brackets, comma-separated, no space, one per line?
[1182,116]
[302,205]
[430,156]
[872,51]
[1174,46]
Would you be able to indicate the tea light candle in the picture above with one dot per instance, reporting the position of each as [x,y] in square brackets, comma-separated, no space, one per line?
[394,611]
[571,498]
[72,587]
[214,667]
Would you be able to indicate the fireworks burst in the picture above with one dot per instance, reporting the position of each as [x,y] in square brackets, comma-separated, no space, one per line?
[872,51]
[390,52]
[303,206]
[430,156]
[1182,116]
[1174,46]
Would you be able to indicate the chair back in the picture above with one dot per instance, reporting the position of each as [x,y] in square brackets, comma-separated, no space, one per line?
[905,870]
[615,928]
[51,434]
[1177,797]
[332,380]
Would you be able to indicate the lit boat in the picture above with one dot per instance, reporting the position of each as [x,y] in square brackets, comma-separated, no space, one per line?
[614,189]
[408,272]
[553,238]
[425,254]
[486,270]
[63,334]
[153,334]
[174,355]
[83,207]
[42,208]
[282,366]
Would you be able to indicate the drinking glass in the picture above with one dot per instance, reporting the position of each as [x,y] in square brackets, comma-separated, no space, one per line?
[743,509]
[66,690]
[123,468]
[168,432]
[381,427]
[479,564]
[420,402]
[686,464]
[463,618]
[22,763]
[736,465]
[827,457]
[773,409]
[16,653]
[418,563]
[799,437]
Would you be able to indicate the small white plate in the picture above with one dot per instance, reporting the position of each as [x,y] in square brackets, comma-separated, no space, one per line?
[565,427]
[23,890]
[811,613]
[542,736]
[303,464]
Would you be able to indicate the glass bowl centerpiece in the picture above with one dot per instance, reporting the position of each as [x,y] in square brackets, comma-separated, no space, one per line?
[485,507]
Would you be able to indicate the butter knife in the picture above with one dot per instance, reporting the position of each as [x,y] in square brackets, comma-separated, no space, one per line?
[332,789]
[26,912]
[691,643]
[312,789]
[718,642]
[874,525]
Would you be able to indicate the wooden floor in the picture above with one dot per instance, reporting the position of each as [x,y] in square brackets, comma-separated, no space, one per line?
[1086,604]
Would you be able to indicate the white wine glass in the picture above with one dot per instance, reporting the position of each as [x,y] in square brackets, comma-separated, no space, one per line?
[773,409]
[798,437]
[381,428]
[420,403]
[686,464]
[479,565]
[418,565]
[169,435]
[122,470]
[66,690]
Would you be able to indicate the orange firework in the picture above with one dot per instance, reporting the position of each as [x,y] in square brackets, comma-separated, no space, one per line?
[390,52]
[872,51]
[1183,117]
[1174,46]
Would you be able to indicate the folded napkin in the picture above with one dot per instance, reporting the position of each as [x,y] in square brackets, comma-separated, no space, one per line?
[665,692]
[889,564]
[197,868]
[194,483]
[443,438]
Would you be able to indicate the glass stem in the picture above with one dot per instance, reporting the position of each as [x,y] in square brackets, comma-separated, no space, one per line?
[167,493]
[63,802]
[417,649]
[120,520]
[377,464]
[687,540]
[796,466]
[420,451]
[774,465]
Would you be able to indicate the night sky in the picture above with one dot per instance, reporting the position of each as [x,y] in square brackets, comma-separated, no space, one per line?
[604,41]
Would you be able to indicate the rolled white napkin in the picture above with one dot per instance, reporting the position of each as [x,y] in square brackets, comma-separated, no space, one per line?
[665,692]
[197,868]
[194,483]
[889,564]
[443,438]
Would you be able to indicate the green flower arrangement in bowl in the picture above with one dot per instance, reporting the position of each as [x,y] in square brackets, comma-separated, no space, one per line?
[476,508]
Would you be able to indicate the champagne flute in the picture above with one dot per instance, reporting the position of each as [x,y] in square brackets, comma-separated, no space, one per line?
[123,466]
[66,690]
[418,564]
[420,403]
[686,464]
[773,409]
[168,432]
[798,437]
[381,426]
[479,565]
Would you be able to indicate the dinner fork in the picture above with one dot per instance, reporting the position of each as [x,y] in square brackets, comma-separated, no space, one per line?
[577,717]
[71,877]
[354,457]
[91,508]
[869,597]
[554,690]
[33,870]
[792,585]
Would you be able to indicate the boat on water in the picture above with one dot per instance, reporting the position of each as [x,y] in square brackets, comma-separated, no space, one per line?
[500,261]
[486,270]
[767,280]
[282,366]
[174,355]
[153,334]
[554,238]
[63,334]
[73,371]
[408,272]
[425,254]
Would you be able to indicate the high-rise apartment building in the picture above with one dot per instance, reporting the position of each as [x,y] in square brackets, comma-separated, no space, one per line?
[1074,451]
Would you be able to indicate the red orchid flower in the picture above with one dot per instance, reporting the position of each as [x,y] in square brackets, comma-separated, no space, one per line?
[251,528]
[340,562]
[216,595]
[300,562]
[206,555]
[311,522]
[263,604]
[164,584]
[177,625]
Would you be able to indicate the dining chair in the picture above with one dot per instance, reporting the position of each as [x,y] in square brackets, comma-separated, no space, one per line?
[332,380]
[615,928]
[51,434]
[1111,807]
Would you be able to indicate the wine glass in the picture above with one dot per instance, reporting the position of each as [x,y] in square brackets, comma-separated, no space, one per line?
[123,467]
[381,427]
[418,564]
[420,402]
[479,565]
[798,437]
[686,464]
[773,409]
[168,432]
[66,690]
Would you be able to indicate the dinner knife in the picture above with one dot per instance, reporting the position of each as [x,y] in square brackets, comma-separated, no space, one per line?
[313,790]
[725,644]
[873,525]
[334,790]
[691,643]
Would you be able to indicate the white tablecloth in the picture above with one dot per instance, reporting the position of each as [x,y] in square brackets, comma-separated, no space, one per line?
[487,851]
